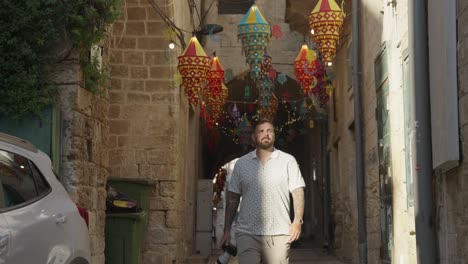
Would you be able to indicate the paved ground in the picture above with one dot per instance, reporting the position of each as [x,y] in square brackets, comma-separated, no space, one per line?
[298,256]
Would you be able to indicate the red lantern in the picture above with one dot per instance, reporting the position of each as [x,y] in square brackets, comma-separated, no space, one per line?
[193,66]
[326,21]
[215,103]
[305,67]
[215,77]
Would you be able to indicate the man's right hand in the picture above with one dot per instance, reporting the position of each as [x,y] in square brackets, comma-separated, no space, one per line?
[226,238]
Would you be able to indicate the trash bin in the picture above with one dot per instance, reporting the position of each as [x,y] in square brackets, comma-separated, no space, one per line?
[125,232]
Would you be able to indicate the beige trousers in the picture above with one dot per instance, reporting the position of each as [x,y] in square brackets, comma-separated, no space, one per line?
[251,249]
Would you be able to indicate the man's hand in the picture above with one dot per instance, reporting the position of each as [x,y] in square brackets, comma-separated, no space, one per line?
[295,230]
[226,238]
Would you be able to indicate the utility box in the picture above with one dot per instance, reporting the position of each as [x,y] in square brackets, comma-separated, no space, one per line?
[204,217]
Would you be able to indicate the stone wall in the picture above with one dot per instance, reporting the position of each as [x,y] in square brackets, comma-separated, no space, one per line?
[150,125]
[84,162]
[379,29]
[341,148]
[451,188]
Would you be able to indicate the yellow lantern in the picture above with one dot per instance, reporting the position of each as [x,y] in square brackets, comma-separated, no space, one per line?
[326,21]
[193,66]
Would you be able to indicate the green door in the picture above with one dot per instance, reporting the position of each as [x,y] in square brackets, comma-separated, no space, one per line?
[40,130]
[385,171]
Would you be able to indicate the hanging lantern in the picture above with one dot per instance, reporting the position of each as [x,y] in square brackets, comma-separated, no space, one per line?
[215,103]
[264,83]
[305,67]
[254,32]
[268,111]
[193,66]
[215,76]
[326,21]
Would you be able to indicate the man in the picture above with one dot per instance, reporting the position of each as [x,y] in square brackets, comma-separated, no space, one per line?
[264,178]
[219,220]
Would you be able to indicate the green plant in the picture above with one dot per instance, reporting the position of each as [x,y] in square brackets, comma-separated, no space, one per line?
[30,30]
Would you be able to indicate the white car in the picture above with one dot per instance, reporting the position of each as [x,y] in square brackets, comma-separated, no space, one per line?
[39,223]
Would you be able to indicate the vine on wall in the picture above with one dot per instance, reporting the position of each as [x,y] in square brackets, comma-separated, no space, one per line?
[35,35]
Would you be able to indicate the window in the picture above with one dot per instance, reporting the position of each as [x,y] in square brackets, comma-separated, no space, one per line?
[234,6]
[18,181]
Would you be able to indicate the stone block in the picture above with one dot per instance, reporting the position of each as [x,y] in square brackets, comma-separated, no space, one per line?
[117,97]
[115,171]
[119,71]
[155,28]
[167,188]
[161,157]
[152,43]
[133,58]
[138,98]
[97,259]
[159,172]
[163,99]
[174,219]
[119,127]
[136,13]
[116,84]
[124,43]
[133,85]
[117,28]
[141,156]
[162,72]
[116,57]
[114,112]
[154,58]
[159,86]
[85,197]
[152,15]
[157,219]
[163,203]
[158,236]
[139,72]
[462,8]
[130,171]
[135,29]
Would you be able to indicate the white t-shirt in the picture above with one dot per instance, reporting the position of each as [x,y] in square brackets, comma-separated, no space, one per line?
[265,192]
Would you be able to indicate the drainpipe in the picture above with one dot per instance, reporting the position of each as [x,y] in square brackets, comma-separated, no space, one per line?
[360,185]
[326,187]
[420,131]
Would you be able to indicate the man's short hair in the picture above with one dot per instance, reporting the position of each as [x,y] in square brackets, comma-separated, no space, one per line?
[262,121]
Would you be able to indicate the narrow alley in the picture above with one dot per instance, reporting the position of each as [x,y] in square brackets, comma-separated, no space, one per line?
[121,122]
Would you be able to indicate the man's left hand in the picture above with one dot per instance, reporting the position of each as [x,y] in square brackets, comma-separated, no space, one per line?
[295,231]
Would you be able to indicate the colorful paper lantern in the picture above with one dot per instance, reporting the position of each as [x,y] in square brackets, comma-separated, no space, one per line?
[264,84]
[215,103]
[193,66]
[215,76]
[326,21]
[305,67]
[268,111]
[254,32]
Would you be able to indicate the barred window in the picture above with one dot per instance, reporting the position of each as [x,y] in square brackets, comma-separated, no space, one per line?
[234,6]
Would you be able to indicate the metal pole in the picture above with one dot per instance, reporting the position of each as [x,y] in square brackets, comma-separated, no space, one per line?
[326,186]
[420,131]
[360,184]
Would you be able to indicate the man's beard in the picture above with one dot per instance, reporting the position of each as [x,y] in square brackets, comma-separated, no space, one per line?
[265,145]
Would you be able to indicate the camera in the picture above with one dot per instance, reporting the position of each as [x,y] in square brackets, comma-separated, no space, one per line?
[230,249]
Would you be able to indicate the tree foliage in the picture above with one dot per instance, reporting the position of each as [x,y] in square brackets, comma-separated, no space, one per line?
[30,31]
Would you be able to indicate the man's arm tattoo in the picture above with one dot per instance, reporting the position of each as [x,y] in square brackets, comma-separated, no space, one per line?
[232,203]
[298,200]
